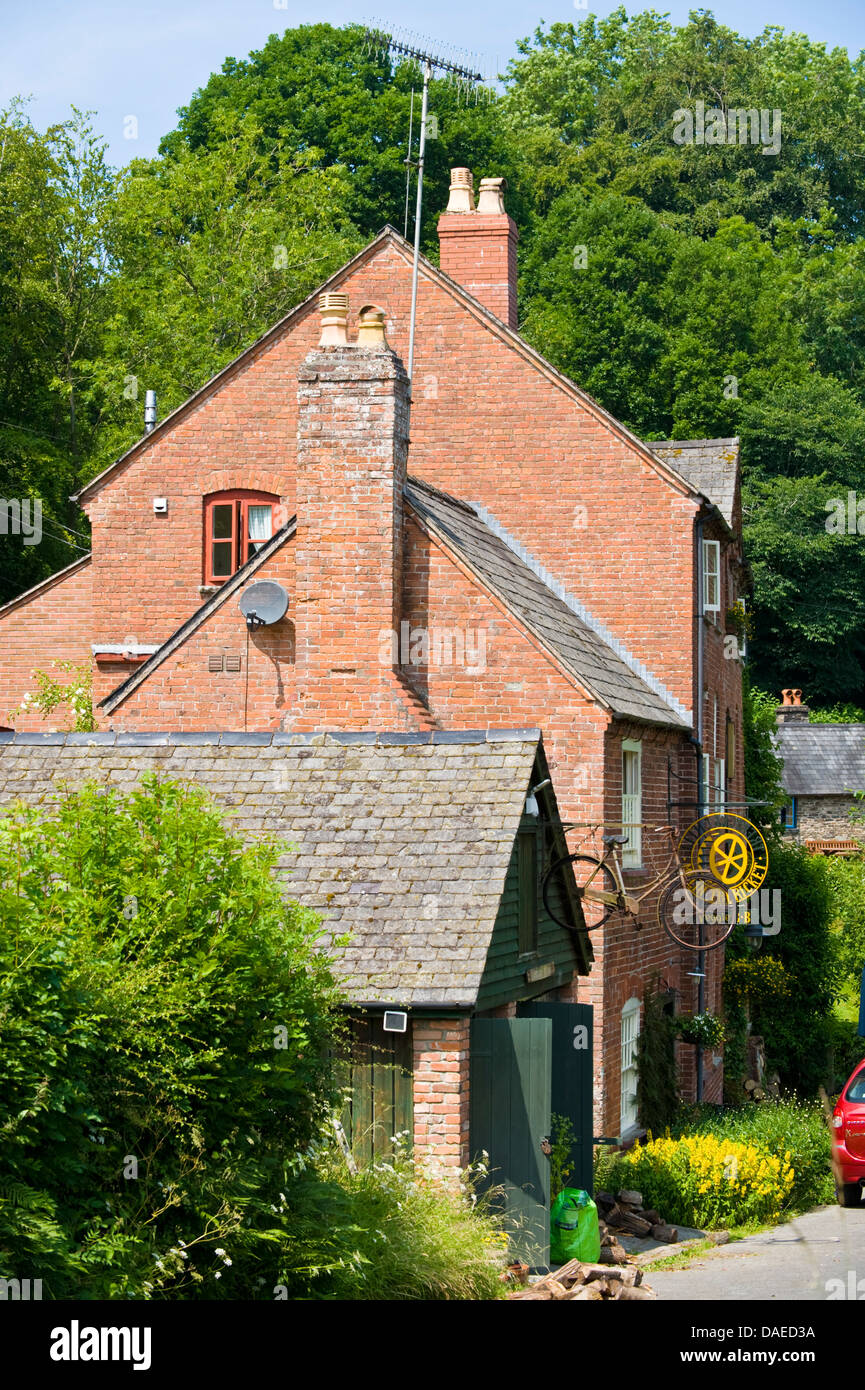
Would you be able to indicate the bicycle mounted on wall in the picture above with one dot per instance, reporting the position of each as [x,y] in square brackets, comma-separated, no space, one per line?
[704,888]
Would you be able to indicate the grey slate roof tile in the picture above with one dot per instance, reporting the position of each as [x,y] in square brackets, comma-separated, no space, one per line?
[582,650]
[822,759]
[709,465]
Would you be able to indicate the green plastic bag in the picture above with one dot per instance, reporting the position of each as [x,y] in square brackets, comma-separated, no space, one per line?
[574,1233]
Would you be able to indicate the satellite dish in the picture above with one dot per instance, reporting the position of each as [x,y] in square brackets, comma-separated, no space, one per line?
[263,603]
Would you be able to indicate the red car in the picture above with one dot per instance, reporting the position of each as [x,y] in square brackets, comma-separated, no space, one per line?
[848,1140]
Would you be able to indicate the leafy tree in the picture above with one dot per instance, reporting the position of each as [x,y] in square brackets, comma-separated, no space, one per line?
[323,94]
[165,1018]
[798,1035]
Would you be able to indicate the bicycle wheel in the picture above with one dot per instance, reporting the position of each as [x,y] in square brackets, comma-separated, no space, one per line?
[698,915]
[589,873]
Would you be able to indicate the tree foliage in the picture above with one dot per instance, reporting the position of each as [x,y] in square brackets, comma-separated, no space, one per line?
[164,1021]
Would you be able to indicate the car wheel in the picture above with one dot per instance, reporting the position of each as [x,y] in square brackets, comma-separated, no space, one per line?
[849,1194]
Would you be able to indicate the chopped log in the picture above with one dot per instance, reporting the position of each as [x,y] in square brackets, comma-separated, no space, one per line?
[533,1294]
[719,1237]
[667,1234]
[571,1273]
[627,1294]
[604,1199]
[652,1216]
[751,1085]
[632,1225]
[614,1254]
[629,1197]
[587,1293]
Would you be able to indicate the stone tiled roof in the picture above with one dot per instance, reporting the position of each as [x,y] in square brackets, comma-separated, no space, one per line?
[822,759]
[401,840]
[601,670]
[709,465]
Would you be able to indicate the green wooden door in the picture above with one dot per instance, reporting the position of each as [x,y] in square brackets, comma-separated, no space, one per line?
[510,1118]
[572,1078]
[378,1074]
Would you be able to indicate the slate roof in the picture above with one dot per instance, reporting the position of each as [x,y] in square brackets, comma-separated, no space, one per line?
[602,672]
[404,840]
[822,759]
[709,465]
[406,844]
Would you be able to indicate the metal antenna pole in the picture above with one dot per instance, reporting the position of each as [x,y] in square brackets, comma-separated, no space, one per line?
[405,46]
[427,73]
[408,163]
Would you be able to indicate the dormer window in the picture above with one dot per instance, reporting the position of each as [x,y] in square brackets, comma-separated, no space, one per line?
[236,526]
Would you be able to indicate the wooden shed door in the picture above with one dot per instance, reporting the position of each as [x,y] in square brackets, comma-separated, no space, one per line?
[572,1078]
[379,1074]
[510,1118]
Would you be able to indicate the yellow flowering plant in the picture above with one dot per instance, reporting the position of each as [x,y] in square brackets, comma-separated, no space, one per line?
[706,1181]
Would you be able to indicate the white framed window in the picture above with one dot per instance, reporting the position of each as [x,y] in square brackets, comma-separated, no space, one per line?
[720,797]
[630,1034]
[632,802]
[711,576]
[706,788]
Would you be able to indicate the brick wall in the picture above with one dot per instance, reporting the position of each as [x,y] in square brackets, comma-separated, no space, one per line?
[441,1090]
[52,626]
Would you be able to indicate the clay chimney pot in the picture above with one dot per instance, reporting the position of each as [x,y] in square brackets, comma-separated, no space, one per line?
[492,195]
[334,313]
[370,331]
[462,193]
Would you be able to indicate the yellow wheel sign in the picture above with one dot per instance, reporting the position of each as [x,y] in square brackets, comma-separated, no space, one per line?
[728,850]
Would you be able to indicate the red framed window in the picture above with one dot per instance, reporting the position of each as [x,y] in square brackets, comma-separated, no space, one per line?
[236,525]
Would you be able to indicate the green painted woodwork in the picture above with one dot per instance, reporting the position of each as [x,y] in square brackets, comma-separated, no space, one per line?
[379,1075]
[572,1077]
[510,1117]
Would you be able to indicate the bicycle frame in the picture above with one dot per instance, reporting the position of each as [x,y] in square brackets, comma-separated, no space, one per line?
[623,899]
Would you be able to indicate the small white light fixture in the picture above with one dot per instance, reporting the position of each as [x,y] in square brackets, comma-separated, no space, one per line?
[395,1021]
[160,505]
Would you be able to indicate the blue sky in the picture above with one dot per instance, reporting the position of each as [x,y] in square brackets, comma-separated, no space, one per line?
[145,59]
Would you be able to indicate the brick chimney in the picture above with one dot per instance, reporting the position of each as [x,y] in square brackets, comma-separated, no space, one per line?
[791,710]
[478,245]
[352,445]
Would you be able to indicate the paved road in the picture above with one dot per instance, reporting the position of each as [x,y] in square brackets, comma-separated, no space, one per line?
[794,1261]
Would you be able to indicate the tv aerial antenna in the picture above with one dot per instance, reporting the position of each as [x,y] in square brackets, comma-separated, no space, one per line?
[461,69]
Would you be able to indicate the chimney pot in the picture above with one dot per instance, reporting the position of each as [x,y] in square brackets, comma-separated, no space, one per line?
[371,323]
[791,710]
[334,313]
[492,195]
[149,411]
[462,194]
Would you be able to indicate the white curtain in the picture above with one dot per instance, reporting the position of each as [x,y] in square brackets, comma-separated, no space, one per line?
[259,523]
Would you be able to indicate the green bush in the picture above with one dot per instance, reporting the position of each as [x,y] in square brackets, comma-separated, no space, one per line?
[390,1232]
[166,1022]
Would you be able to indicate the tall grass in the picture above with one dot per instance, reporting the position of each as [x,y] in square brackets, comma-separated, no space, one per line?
[389,1232]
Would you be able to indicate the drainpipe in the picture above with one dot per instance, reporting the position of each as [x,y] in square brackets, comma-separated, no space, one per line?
[698,750]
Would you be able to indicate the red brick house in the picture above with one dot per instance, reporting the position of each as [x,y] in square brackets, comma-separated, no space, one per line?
[497,552]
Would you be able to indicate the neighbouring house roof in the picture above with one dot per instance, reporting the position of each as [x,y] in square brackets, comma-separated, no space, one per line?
[709,465]
[599,668]
[822,759]
[666,468]
[401,840]
[45,584]
[200,616]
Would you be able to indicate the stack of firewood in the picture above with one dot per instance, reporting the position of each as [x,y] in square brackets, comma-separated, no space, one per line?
[625,1214]
[585,1283]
